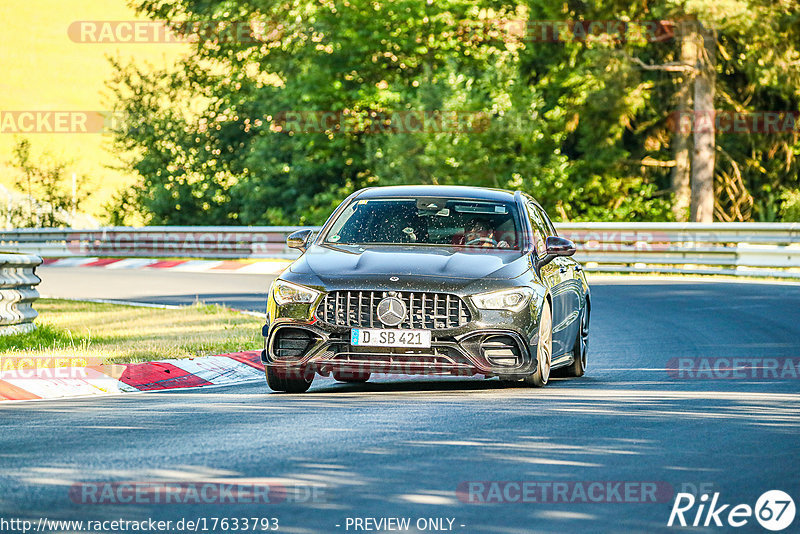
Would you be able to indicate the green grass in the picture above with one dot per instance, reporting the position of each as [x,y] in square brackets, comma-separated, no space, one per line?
[114,333]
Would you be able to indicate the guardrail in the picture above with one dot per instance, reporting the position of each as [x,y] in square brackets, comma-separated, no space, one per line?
[749,249]
[18,283]
[740,249]
[218,242]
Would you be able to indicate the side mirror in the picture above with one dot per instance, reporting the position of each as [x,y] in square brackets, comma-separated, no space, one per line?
[299,239]
[555,246]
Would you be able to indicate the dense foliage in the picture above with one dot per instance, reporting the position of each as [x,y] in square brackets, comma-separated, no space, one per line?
[579,122]
[53,195]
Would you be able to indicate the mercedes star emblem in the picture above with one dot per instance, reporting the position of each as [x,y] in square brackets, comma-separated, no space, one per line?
[391,311]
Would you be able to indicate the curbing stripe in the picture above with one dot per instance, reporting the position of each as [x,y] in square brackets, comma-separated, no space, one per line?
[166,264]
[62,382]
[11,392]
[103,262]
[251,358]
[73,262]
[196,266]
[159,375]
[193,266]
[264,267]
[231,265]
[218,369]
[131,263]
[221,370]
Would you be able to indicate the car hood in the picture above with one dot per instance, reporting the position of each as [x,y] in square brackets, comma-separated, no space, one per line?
[335,262]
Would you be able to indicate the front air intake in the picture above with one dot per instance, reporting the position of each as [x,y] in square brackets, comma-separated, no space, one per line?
[292,343]
[501,350]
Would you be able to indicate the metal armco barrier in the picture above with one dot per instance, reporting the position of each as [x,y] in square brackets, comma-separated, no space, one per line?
[154,242]
[749,249]
[741,249]
[18,283]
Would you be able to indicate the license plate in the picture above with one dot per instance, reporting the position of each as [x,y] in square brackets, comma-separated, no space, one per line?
[383,337]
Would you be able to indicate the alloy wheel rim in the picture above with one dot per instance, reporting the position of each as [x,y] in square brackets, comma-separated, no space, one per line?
[584,337]
[545,348]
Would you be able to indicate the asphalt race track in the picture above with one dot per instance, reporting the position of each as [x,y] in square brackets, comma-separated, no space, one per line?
[401,447]
[240,291]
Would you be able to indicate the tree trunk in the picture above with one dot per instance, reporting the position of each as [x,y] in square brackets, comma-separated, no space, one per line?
[704,130]
[681,172]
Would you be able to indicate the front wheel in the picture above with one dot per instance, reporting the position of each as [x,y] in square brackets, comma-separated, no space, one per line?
[544,349]
[289,381]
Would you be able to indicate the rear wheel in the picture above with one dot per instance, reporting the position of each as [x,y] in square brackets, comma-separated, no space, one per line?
[351,377]
[289,381]
[544,349]
[578,366]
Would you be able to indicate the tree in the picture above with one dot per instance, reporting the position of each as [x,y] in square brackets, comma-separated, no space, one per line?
[686,35]
[730,53]
[583,124]
[702,185]
[52,198]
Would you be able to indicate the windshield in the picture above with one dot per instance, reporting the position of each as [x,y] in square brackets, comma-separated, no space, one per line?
[427,221]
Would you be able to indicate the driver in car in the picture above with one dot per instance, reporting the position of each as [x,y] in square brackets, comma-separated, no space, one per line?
[480,232]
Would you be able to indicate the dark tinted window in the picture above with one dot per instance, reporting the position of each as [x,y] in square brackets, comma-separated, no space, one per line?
[540,230]
[427,221]
[551,230]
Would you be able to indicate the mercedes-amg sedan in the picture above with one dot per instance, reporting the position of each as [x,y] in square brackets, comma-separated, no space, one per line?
[429,280]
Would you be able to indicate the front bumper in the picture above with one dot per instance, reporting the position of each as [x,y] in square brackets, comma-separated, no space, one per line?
[478,348]
[302,337]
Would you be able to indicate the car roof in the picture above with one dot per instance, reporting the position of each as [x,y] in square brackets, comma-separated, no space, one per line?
[454,191]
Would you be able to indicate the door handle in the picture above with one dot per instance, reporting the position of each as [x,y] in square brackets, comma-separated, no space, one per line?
[563,269]
[578,268]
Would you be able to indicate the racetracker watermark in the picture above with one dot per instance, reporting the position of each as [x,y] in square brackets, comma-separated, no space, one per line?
[408,121]
[572,31]
[47,367]
[60,122]
[734,122]
[595,491]
[618,240]
[288,122]
[114,493]
[386,370]
[164,32]
[722,368]
[170,243]
[115,526]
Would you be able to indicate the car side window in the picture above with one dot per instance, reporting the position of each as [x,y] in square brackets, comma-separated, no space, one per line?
[539,228]
[551,229]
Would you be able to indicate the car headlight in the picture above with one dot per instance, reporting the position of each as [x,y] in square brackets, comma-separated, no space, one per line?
[288,293]
[513,299]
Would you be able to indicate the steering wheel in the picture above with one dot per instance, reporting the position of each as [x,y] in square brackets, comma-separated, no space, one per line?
[479,240]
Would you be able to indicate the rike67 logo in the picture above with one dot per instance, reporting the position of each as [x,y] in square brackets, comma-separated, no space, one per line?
[774,510]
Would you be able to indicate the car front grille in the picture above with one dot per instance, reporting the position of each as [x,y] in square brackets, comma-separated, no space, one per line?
[424,310]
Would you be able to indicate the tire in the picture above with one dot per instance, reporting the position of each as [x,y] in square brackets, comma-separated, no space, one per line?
[350,377]
[278,380]
[578,366]
[544,349]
